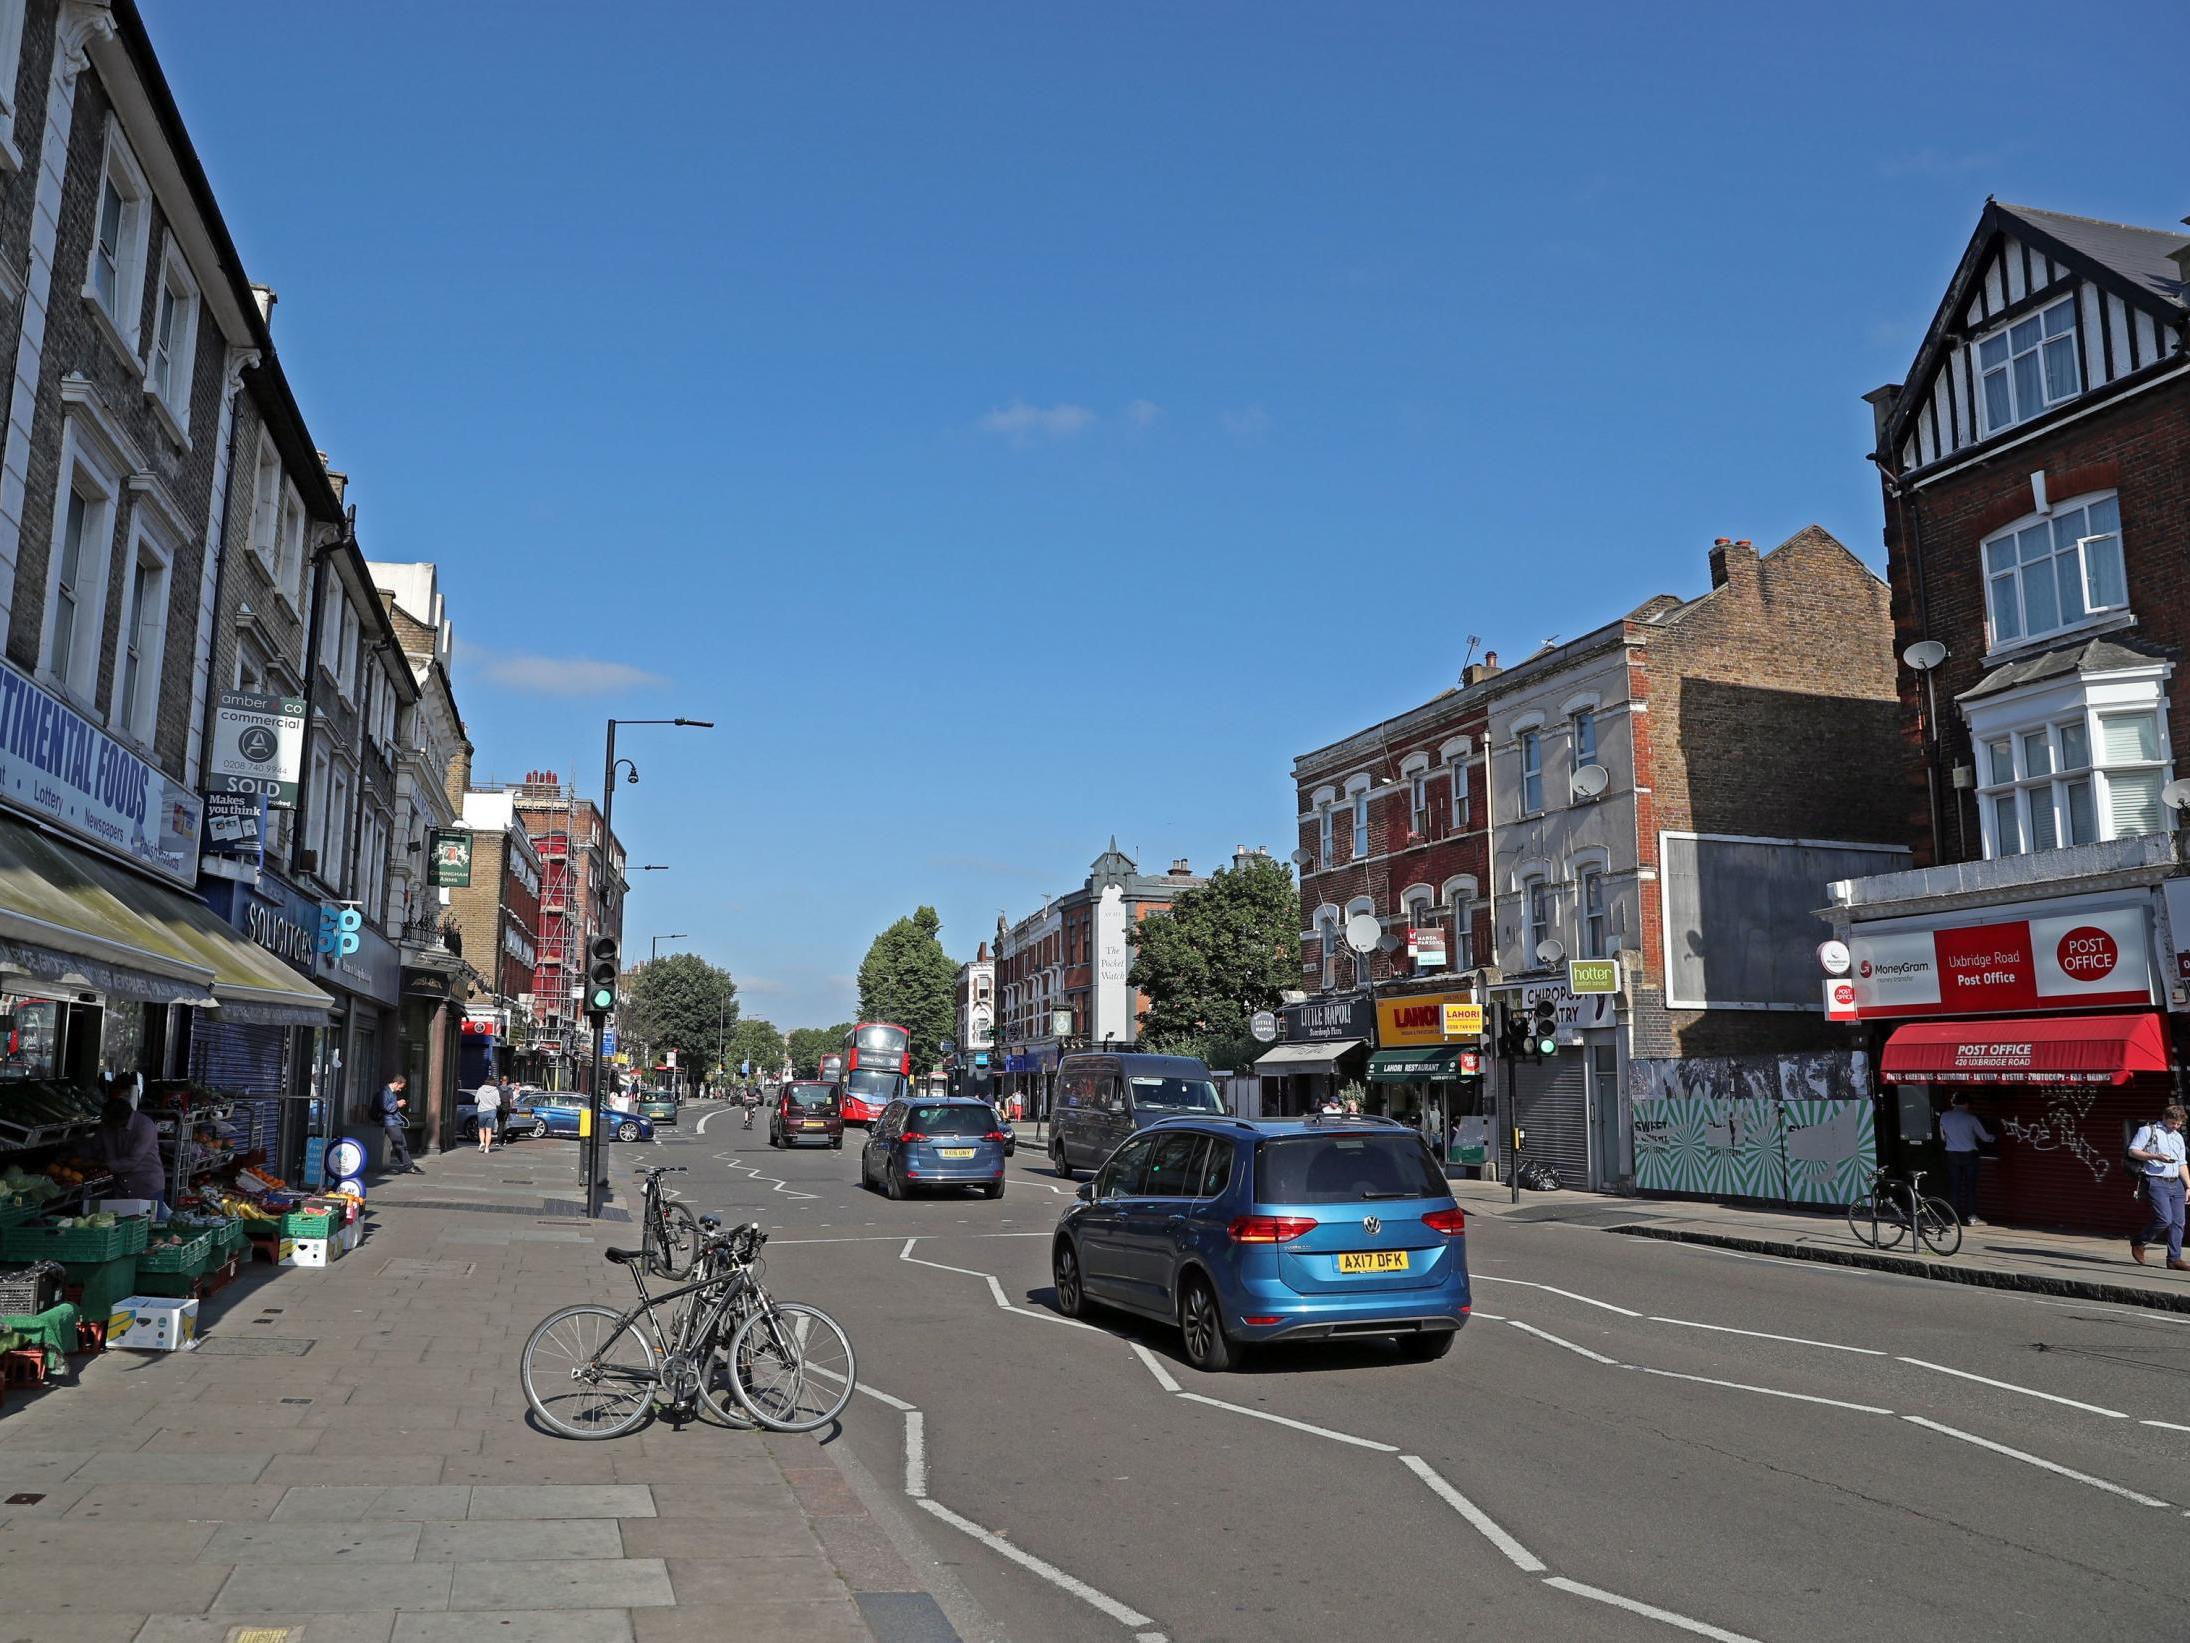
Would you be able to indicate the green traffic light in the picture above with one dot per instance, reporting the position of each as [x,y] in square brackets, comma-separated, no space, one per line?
[1547,1046]
[604,998]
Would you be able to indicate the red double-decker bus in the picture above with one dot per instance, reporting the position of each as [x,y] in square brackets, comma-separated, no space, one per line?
[877,1069]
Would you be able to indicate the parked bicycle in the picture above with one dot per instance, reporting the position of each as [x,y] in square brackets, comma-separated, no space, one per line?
[1891,1210]
[670,1235]
[592,1372]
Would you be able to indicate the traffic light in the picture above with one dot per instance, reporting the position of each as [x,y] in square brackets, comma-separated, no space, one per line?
[1543,1028]
[601,976]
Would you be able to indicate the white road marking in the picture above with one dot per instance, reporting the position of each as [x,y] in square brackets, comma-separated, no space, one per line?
[1549,1289]
[1599,1595]
[1488,1317]
[2027,1391]
[996,1289]
[1768,1391]
[1516,1554]
[1051,1317]
[1546,1335]
[1121,1613]
[2170,1425]
[1760,1335]
[916,1454]
[2036,1460]
[1298,1426]
[1155,1367]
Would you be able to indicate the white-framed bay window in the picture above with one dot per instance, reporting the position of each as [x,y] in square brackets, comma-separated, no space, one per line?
[2078,762]
[2055,571]
[2028,365]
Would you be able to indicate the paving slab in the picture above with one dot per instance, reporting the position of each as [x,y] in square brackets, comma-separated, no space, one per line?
[521,1626]
[597,1583]
[53,1541]
[322,1588]
[314,1543]
[373,1627]
[71,1628]
[834,1622]
[373,1469]
[522,1540]
[560,1501]
[93,1588]
[175,1503]
[363,1503]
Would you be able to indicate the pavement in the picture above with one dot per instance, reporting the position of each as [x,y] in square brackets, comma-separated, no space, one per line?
[2061,1264]
[348,1458]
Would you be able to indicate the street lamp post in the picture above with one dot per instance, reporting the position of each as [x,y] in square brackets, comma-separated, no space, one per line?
[596,1185]
[654,945]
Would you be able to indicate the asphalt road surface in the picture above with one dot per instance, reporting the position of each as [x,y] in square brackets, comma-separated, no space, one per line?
[1632,1439]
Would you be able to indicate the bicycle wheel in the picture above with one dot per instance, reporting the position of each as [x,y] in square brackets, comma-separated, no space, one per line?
[587,1378]
[716,1394]
[682,1229]
[1879,1219]
[1938,1226]
[792,1367]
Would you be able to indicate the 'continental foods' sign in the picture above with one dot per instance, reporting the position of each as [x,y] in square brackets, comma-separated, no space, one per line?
[62,768]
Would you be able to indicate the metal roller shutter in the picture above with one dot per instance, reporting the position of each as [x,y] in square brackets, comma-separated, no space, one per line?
[2060,1158]
[249,1063]
[1551,1102]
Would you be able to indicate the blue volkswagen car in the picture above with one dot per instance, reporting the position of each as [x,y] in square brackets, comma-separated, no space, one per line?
[1275,1230]
[948,1141]
[549,1112]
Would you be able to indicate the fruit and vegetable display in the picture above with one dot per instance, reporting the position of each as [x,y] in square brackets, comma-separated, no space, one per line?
[37,1103]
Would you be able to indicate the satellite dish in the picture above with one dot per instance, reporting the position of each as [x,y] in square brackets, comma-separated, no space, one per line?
[2176,794]
[1591,780]
[1301,858]
[1388,946]
[1925,655]
[1363,932]
[1550,950]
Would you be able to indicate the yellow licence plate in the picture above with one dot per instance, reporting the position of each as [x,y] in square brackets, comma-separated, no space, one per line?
[817,1123]
[954,1152]
[1374,1260]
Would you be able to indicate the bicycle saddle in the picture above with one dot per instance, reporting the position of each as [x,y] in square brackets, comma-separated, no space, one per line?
[623,1257]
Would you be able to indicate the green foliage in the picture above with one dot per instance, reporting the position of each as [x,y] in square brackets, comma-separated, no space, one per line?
[752,1039]
[1224,950]
[906,978]
[809,1044]
[679,1003]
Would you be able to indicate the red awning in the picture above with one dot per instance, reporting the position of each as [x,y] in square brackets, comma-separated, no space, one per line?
[2093,1049]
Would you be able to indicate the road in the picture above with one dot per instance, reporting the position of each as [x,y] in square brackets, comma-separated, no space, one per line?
[1633,1439]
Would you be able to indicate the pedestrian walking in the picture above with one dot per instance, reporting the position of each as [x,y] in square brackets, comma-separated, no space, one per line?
[489,1103]
[1960,1130]
[2159,1148]
[391,1105]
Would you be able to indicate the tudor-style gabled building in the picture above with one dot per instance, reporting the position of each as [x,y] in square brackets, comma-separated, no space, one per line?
[2036,469]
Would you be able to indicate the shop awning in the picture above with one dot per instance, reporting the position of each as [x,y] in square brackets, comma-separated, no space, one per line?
[1306,1058]
[1434,1064]
[70,919]
[2093,1049]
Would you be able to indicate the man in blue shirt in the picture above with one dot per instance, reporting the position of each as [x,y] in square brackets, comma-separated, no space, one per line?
[2159,1149]
[1960,1130]
[392,1102]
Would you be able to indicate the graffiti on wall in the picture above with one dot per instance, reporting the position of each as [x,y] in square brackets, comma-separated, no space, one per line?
[2059,1127]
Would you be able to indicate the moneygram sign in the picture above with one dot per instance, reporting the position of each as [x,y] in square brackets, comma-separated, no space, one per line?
[2085,958]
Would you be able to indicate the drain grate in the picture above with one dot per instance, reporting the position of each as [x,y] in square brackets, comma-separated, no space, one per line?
[254,1346]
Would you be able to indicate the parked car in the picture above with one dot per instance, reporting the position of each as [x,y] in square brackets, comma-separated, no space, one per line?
[545,1112]
[658,1105]
[806,1113]
[943,1141]
[1104,1098]
[1281,1229]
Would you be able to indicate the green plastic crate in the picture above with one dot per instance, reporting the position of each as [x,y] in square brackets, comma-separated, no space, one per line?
[308,1224]
[103,1283]
[234,1240]
[43,1241]
[186,1259]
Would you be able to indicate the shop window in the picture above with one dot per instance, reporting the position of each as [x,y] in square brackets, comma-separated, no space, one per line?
[33,1045]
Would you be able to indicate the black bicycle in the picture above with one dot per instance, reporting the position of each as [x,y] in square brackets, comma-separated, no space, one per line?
[671,1236]
[592,1372]
[1891,1210]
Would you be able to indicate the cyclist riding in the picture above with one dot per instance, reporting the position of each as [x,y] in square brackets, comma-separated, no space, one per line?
[750,1101]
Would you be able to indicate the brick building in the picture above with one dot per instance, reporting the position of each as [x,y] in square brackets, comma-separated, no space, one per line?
[974,1006]
[582,885]
[498,916]
[2035,466]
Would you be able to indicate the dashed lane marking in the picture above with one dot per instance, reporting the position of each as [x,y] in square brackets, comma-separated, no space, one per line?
[1760,1335]
[1650,1611]
[1122,1613]
[1766,1391]
[1518,1555]
[1155,1367]
[1298,1426]
[916,1454]
[2038,1461]
[1556,1340]
[1552,1289]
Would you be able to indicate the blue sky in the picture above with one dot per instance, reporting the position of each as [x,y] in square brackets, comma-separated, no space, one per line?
[1019,424]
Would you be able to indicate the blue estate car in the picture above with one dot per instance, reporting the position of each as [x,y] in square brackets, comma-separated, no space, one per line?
[553,1112]
[1279,1229]
[945,1141]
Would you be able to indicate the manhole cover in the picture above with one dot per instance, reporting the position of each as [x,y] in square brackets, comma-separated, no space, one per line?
[253,1346]
[410,1268]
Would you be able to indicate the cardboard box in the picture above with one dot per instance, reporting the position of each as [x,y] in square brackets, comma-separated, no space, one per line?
[349,1235]
[125,1206]
[309,1251]
[153,1323]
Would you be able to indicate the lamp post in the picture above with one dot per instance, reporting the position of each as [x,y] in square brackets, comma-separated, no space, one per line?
[654,944]
[596,1185]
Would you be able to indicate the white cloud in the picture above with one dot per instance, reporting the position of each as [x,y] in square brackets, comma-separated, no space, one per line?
[559,675]
[1020,421]
[1142,412]
[1246,425]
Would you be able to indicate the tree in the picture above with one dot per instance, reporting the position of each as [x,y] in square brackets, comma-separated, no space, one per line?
[809,1044]
[679,1003]
[908,979]
[756,1041]
[1223,951]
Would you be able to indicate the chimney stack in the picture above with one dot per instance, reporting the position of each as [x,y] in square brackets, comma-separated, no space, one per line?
[1733,561]
[1181,868]
[1476,672]
[267,297]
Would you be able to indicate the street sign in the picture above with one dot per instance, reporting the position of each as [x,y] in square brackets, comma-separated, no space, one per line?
[1834,958]
[1463,1021]
[1264,1026]
[1427,948]
[1060,1023]
[1839,999]
[451,860]
[1592,975]
[946,1045]
[258,746]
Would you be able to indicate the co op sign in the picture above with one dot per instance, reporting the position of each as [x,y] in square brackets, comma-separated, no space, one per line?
[2086,958]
